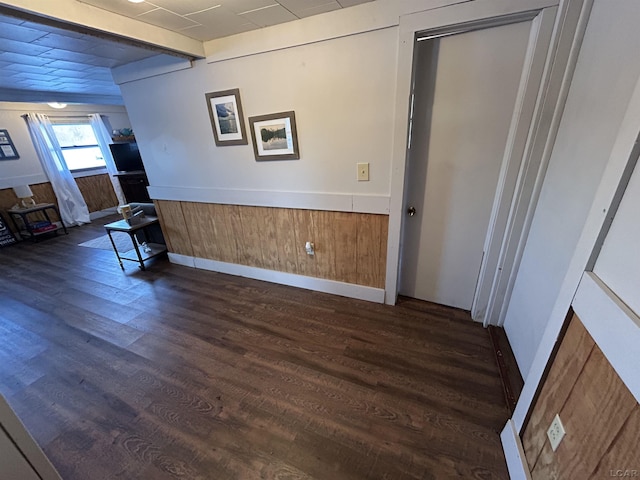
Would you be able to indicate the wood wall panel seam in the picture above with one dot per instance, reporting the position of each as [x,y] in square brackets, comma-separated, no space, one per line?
[350,247]
[597,411]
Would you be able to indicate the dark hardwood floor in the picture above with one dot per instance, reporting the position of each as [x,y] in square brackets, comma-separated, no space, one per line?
[182,373]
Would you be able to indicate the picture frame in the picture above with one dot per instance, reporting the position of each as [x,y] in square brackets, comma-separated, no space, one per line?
[7,148]
[227,119]
[275,136]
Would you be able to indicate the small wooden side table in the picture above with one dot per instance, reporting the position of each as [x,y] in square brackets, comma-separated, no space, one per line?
[24,227]
[140,257]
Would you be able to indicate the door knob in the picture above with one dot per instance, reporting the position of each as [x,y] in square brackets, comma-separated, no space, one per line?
[411,211]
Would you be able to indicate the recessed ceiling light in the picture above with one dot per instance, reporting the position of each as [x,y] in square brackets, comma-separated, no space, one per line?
[136,1]
[57,105]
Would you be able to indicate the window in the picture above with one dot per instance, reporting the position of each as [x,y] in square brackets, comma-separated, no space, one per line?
[79,145]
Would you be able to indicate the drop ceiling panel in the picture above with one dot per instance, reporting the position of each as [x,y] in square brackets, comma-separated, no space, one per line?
[184,7]
[15,32]
[122,54]
[299,5]
[220,16]
[241,6]
[351,3]
[123,7]
[327,7]
[189,17]
[268,16]
[66,55]
[19,58]
[66,42]
[23,48]
[166,19]
[41,57]
[20,67]
[50,29]
[64,73]
[81,67]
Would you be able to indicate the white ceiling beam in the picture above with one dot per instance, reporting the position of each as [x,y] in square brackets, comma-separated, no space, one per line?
[74,13]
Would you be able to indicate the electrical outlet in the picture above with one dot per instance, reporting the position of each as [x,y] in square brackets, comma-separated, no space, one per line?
[556,432]
[363,172]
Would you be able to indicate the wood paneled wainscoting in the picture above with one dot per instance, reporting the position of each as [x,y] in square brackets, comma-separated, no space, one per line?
[98,192]
[600,415]
[349,247]
[95,189]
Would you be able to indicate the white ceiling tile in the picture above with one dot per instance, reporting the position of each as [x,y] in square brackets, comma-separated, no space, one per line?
[184,7]
[54,40]
[18,67]
[351,3]
[219,16]
[241,6]
[166,19]
[270,16]
[42,57]
[34,76]
[297,5]
[21,47]
[66,73]
[307,8]
[19,33]
[81,67]
[50,29]
[61,54]
[123,54]
[123,7]
[19,58]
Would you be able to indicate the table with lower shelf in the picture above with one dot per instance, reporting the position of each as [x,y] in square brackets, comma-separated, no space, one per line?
[155,249]
[20,219]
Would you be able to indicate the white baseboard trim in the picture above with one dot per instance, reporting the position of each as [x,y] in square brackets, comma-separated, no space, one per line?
[183,260]
[514,453]
[350,290]
[102,213]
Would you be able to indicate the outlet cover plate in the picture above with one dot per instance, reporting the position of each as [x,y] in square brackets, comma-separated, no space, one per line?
[555,433]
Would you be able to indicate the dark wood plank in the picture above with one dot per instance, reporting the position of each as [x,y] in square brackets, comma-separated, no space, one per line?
[180,373]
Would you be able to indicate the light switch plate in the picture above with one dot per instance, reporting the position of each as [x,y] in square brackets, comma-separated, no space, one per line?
[363,172]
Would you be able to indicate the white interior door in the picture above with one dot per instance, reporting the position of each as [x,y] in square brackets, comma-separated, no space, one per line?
[465,91]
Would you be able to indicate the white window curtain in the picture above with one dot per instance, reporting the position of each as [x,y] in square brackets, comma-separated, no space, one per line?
[104,140]
[73,208]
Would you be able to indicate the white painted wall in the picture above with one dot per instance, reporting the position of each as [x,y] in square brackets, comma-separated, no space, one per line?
[342,91]
[618,264]
[602,85]
[27,169]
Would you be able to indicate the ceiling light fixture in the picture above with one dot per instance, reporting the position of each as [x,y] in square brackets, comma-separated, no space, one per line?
[57,105]
[136,1]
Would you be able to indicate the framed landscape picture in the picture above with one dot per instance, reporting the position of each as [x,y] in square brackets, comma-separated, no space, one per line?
[275,136]
[227,120]
[7,149]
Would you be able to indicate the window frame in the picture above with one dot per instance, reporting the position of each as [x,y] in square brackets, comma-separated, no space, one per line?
[85,171]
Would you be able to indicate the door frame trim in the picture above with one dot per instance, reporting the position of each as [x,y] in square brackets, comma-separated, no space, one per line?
[411,25]
[517,182]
